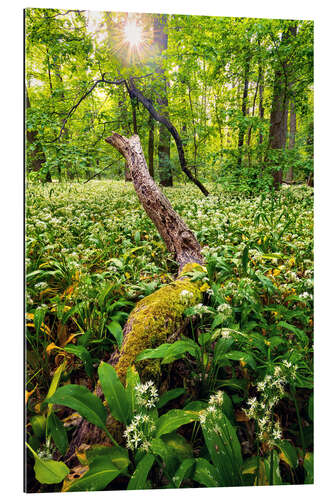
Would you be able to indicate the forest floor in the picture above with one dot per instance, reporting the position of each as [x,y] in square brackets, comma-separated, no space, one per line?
[92,253]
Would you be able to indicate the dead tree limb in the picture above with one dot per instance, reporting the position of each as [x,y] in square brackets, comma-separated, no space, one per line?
[158,316]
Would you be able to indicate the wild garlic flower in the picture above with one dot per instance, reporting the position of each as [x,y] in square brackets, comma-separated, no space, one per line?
[225,311]
[139,432]
[146,395]
[185,296]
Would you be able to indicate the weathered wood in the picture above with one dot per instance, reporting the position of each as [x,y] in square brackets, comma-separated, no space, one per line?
[180,241]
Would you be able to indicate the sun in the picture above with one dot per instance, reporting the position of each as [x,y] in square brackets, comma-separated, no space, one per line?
[133,33]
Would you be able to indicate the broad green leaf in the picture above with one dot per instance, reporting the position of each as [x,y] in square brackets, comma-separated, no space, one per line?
[183,472]
[55,382]
[174,419]
[168,455]
[105,464]
[289,454]
[180,446]
[206,474]
[169,395]
[58,432]
[158,352]
[80,399]
[114,392]
[116,330]
[224,449]
[38,424]
[48,471]
[139,478]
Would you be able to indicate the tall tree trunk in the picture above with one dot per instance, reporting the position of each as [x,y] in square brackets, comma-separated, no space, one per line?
[164,165]
[242,128]
[292,137]
[151,146]
[279,113]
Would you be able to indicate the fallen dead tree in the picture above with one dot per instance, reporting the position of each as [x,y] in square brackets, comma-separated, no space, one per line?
[159,317]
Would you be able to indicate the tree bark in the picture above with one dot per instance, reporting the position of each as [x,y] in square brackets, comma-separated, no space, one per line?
[164,165]
[292,137]
[242,128]
[151,147]
[279,111]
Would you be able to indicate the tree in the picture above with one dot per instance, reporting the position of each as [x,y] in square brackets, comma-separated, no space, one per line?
[164,165]
[280,101]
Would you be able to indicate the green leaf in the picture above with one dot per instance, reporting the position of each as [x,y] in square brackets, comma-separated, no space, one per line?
[241,356]
[114,392]
[308,466]
[158,352]
[105,464]
[82,353]
[183,472]
[169,395]
[80,399]
[224,449]
[289,454]
[138,480]
[180,446]
[168,455]
[58,432]
[132,380]
[116,330]
[48,471]
[173,419]
[38,424]
[206,474]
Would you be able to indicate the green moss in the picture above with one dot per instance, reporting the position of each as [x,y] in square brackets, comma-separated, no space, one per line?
[154,319]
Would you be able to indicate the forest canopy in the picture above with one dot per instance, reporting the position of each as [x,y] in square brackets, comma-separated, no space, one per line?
[237,94]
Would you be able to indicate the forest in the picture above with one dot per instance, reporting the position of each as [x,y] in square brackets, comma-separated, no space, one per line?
[169,251]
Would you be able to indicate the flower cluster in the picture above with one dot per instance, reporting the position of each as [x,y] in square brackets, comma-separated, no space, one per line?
[225,311]
[186,296]
[271,389]
[214,406]
[146,395]
[139,433]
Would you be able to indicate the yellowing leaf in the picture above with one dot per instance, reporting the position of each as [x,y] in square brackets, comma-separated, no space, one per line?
[28,393]
[204,287]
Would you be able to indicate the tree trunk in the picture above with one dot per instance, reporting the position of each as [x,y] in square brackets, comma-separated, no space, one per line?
[164,165]
[151,147]
[242,128]
[279,113]
[292,138]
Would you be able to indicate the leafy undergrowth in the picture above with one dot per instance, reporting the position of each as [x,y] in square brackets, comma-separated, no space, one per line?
[235,400]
